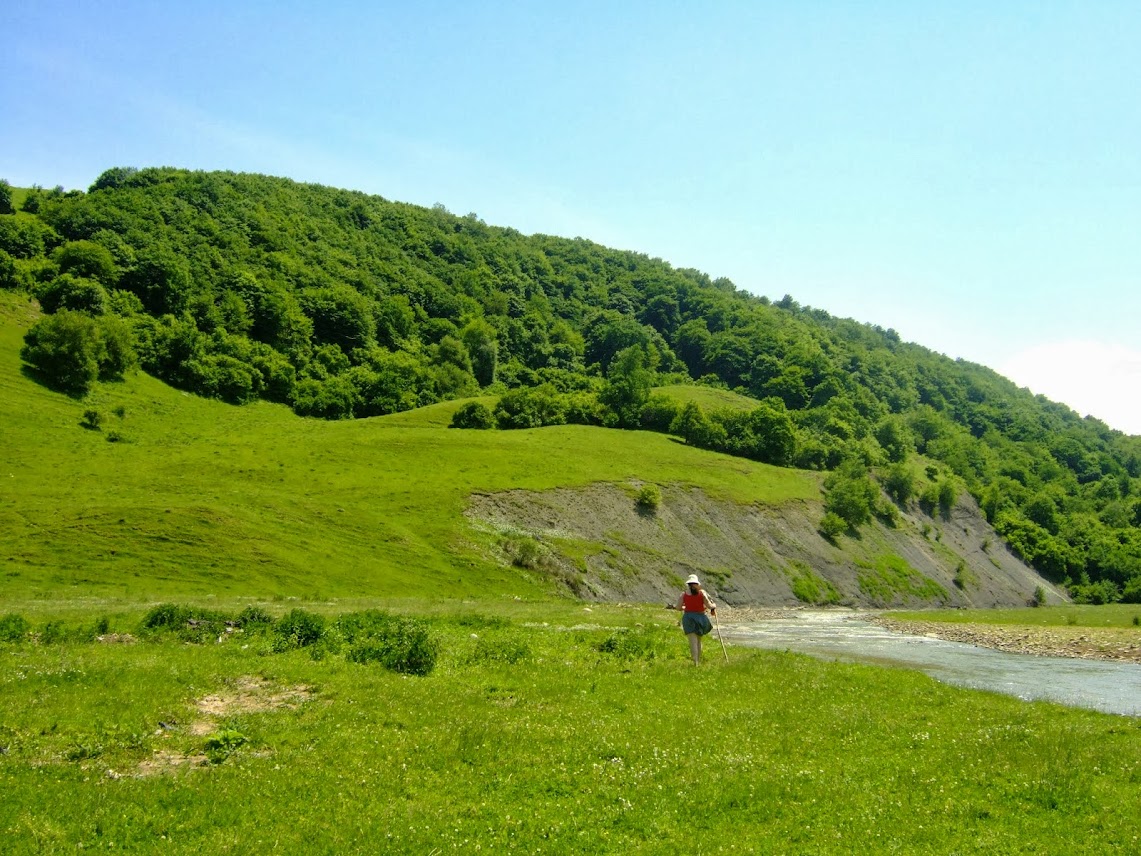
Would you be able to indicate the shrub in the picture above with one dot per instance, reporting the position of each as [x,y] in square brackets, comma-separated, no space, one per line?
[166,616]
[850,494]
[64,349]
[1099,593]
[658,413]
[188,623]
[965,577]
[649,498]
[92,419]
[474,414]
[1039,596]
[55,632]
[530,408]
[831,525]
[297,629]
[526,552]
[9,274]
[402,645]
[72,292]
[223,744]
[14,628]
[253,618]
[899,482]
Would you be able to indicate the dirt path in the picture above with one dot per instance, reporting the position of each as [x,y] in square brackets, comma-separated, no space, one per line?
[1119,644]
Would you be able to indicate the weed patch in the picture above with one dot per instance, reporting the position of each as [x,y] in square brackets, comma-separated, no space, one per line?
[890,578]
[810,587]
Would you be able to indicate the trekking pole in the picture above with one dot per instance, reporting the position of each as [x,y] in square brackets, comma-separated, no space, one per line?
[717,624]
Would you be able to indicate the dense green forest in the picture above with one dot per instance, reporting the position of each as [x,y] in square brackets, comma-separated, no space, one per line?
[345,305]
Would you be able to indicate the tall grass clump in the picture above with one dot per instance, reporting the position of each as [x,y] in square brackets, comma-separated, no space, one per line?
[14,628]
[298,628]
[400,644]
[187,623]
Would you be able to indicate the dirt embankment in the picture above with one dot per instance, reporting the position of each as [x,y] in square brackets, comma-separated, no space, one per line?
[604,547]
[1089,643]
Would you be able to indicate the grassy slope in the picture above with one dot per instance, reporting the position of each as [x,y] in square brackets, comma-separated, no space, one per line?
[709,398]
[201,497]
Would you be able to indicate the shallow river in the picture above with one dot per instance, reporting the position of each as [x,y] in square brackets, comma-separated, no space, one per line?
[1098,685]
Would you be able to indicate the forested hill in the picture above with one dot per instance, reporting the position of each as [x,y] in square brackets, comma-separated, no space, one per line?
[347,305]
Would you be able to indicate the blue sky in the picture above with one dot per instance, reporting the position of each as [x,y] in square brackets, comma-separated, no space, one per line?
[968,174]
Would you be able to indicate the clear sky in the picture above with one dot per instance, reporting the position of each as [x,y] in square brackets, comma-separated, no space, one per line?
[968,174]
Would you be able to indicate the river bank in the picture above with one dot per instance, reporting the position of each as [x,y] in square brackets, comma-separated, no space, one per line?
[1118,644]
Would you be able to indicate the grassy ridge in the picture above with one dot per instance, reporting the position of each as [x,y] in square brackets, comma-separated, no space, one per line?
[199,497]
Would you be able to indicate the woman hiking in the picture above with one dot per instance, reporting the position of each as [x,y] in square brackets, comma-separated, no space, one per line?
[694,622]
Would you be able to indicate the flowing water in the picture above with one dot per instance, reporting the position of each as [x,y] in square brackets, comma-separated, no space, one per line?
[1098,685]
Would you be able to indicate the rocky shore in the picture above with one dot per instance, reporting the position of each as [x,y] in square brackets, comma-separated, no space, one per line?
[1120,644]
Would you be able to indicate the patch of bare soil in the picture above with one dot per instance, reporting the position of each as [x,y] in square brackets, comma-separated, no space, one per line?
[164,761]
[1088,643]
[247,694]
[251,694]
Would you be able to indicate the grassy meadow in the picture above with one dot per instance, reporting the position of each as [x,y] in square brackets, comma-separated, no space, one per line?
[551,728]
[546,725]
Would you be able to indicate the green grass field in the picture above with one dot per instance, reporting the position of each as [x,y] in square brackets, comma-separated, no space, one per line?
[544,728]
[547,726]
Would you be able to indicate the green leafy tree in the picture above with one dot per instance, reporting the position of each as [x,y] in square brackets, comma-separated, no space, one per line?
[10,279]
[483,348]
[893,434]
[5,197]
[72,292]
[86,259]
[474,414]
[530,408]
[341,317]
[850,494]
[628,384]
[65,350]
[161,280]
[899,482]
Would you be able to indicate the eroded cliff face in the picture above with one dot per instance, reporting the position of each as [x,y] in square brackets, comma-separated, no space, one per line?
[598,542]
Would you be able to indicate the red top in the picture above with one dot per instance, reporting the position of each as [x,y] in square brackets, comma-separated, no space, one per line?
[694,602]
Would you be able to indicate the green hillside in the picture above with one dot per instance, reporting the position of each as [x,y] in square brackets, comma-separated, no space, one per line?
[339,305]
[175,494]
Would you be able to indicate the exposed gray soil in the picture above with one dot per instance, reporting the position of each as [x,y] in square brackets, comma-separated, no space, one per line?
[599,543]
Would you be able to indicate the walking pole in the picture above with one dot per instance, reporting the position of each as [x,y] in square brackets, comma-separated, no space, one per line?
[717,624]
